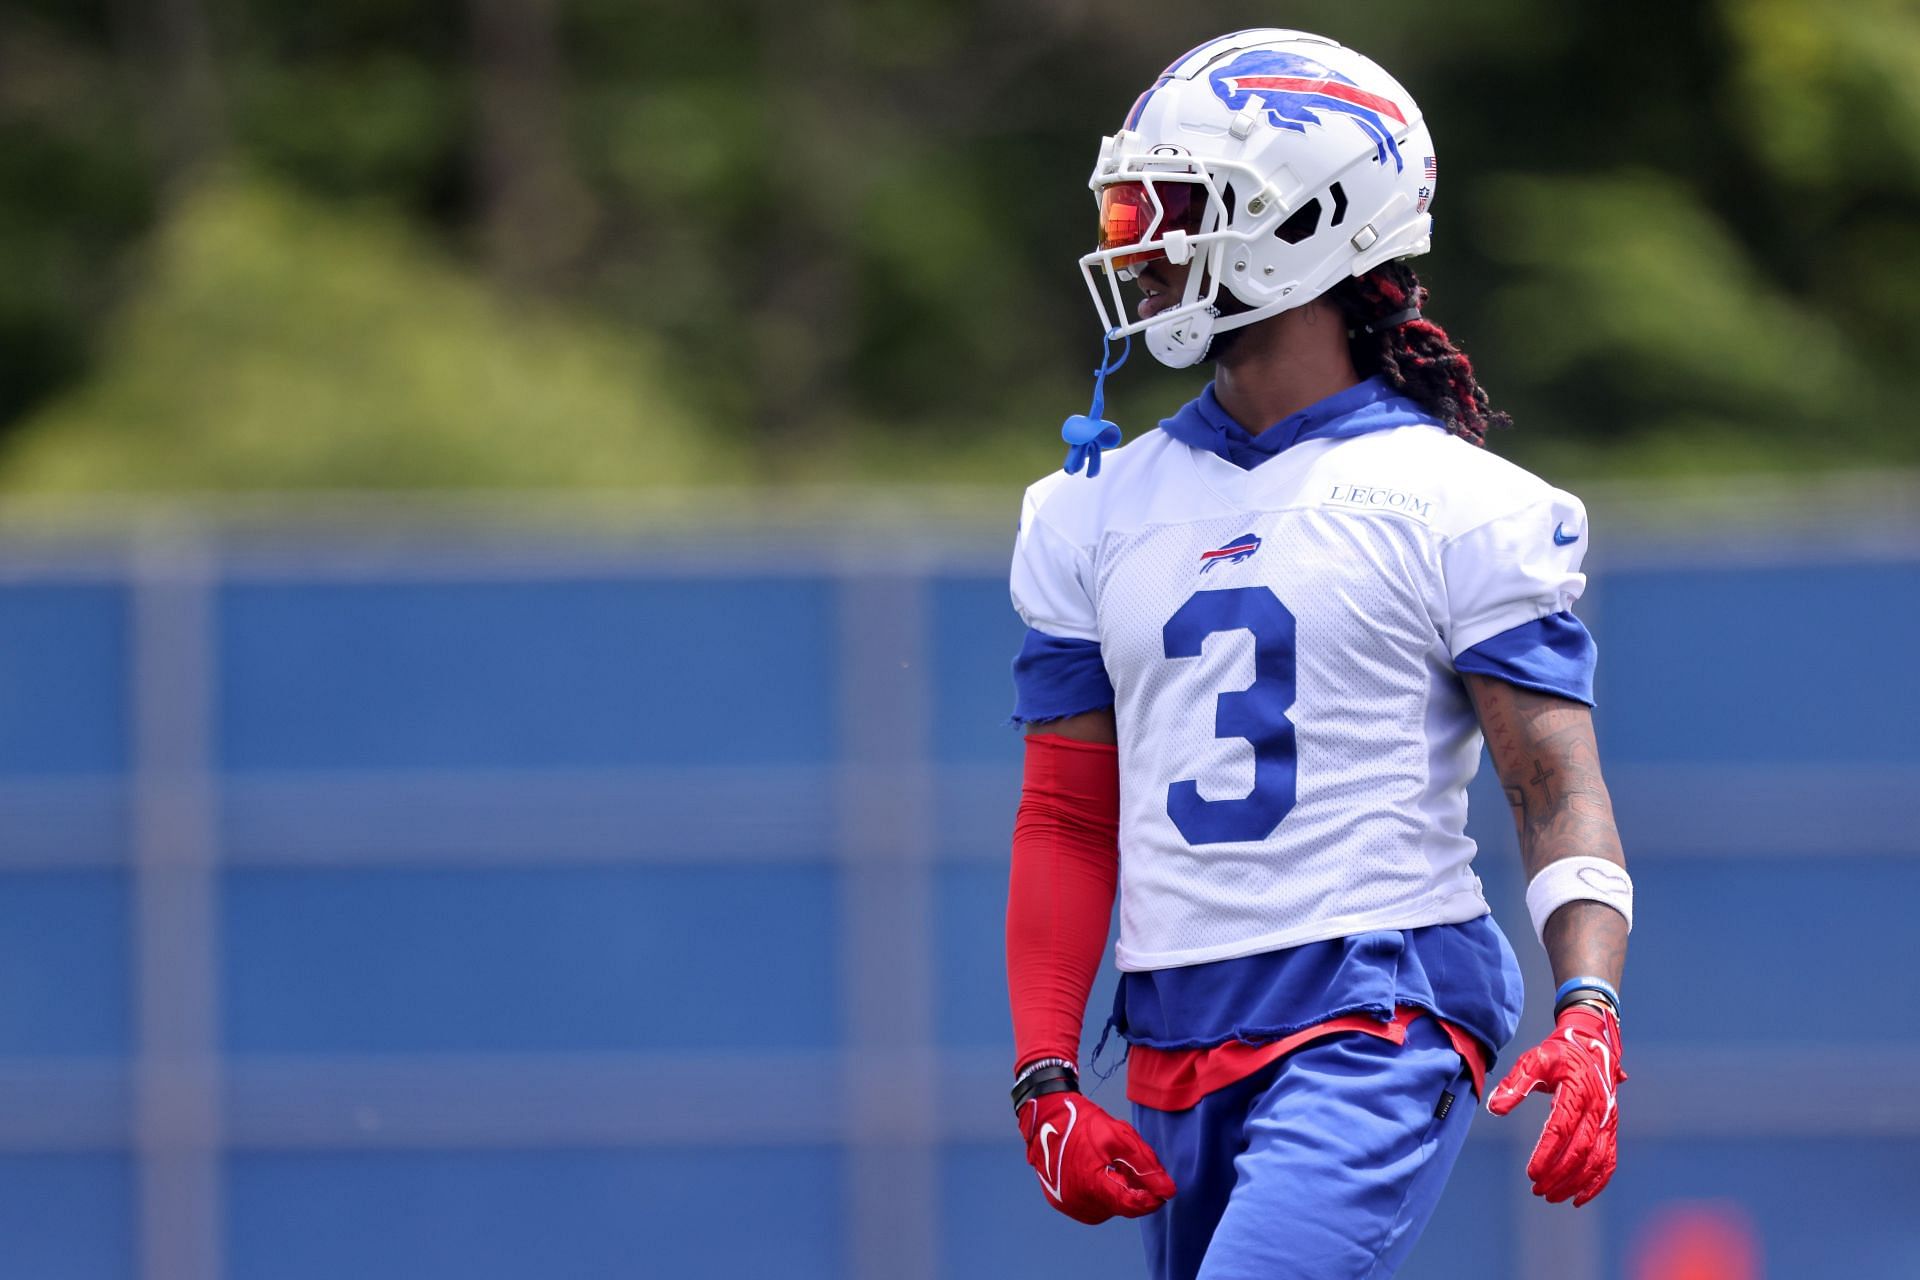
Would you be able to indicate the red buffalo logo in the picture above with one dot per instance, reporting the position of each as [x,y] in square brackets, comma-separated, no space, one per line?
[1241,548]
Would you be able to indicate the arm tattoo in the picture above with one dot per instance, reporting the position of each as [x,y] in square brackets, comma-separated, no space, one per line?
[1549,766]
[1540,779]
[1517,801]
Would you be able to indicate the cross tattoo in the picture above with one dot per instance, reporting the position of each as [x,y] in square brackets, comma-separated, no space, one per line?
[1540,775]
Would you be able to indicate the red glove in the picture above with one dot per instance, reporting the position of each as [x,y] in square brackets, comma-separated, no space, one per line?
[1579,1064]
[1091,1165]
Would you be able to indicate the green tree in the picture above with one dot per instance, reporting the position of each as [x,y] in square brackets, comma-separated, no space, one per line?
[842,236]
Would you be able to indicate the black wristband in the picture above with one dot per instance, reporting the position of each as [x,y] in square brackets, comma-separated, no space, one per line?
[1045,1080]
[1585,995]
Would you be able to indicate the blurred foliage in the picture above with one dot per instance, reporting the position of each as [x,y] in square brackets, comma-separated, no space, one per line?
[261,243]
[237,365]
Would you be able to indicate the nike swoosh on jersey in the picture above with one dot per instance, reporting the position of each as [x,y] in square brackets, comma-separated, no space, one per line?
[1561,538]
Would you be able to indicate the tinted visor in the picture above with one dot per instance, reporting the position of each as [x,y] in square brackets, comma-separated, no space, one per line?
[1127,216]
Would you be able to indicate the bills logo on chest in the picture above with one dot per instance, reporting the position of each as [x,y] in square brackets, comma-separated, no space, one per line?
[1237,551]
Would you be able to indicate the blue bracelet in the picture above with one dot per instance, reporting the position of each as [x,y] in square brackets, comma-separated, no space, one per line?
[1599,985]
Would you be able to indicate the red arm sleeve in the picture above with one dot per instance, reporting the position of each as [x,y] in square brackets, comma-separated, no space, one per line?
[1066,866]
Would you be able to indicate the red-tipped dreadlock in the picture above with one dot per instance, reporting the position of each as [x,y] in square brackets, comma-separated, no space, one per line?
[1416,358]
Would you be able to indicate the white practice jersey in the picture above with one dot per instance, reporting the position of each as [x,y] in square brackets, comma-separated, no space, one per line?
[1295,741]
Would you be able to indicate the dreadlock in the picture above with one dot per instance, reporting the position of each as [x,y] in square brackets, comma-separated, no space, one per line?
[1415,357]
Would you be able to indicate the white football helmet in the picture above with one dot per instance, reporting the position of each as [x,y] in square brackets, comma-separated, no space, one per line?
[1277,163]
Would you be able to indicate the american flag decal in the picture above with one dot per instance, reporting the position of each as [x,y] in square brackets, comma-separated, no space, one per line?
[1433,169]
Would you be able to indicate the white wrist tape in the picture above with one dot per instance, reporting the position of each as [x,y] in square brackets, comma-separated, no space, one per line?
[1582,879]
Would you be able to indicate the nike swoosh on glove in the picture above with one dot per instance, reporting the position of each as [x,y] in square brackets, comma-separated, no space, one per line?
[1579,1064]
[1091,1165]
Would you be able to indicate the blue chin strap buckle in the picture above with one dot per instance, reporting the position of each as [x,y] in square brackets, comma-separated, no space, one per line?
[1088,433]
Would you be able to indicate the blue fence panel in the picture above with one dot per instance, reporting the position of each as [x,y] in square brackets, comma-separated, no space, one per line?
[527,674]
[558,1215]
[68,1217]
[1820,1206]
[65,963]
[972,636]
[1760,664]
[1826,939]
[612,817]
[567,959]
[65,663]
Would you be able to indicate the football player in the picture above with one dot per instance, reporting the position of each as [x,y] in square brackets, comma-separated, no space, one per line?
[1265,645]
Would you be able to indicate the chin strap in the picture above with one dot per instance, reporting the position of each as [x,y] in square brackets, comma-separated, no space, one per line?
[1406,316]
[1088,433]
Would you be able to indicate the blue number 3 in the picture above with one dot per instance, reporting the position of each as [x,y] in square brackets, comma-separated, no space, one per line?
[1257,713]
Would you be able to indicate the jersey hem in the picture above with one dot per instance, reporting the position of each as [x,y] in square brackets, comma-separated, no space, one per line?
[1455,908]
[1018,721]
[1059,628]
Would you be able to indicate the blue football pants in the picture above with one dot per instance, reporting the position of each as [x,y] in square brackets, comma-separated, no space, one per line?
[1325,1165]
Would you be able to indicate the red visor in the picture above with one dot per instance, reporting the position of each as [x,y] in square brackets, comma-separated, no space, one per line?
[1127,214]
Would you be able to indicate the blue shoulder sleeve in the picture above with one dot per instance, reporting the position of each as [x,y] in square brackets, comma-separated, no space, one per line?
[1553,654]
[1055,677]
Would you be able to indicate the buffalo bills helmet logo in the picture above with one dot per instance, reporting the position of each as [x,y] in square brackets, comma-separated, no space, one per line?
[1241,548]
[1293,90]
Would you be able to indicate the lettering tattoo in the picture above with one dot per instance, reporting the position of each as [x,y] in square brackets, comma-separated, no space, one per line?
[1549,766]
